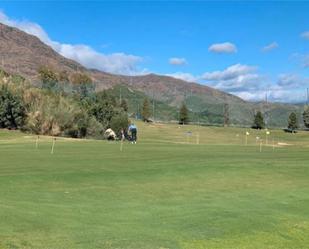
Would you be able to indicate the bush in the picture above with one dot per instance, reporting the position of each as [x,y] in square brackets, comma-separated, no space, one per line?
[95,128]
[52,115]
[12,111]
[86,126]
[118,122]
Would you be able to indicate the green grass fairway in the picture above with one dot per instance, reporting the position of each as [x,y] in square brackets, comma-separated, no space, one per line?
[167,191]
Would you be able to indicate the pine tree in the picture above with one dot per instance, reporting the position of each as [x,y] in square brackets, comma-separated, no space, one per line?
[293,122]
[226,115]
[183,114]
[146,110]
[258,122]
[306,117]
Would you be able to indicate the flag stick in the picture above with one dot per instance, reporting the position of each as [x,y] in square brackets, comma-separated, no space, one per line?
[198,138]
[37,142]
[121,145]
[52,149]
[261,145]
[266,139]
[247,134]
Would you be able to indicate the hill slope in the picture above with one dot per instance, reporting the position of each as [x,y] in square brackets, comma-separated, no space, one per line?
[23,54]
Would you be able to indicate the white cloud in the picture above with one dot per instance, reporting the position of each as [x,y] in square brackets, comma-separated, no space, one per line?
[119,63]
[113,63]
[245,82]
[251,96]
[286,96]
[270,47]
[289,88]
[249,82]
[273,95]
[183,76]
[229,73]
[177,61]
[305,35]
[292,81]
[225,47]
[236,79]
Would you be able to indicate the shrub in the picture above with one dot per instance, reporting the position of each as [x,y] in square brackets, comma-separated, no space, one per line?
[119,121]
[12,111]
[52,115]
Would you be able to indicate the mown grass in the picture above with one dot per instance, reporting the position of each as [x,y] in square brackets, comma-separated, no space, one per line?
[165,192]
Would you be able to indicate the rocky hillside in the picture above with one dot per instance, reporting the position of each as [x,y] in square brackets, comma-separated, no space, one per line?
[24,54]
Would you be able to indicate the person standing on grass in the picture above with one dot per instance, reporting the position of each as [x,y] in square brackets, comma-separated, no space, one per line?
[133,130]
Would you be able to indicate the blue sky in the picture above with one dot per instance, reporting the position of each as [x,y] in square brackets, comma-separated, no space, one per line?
[246,48]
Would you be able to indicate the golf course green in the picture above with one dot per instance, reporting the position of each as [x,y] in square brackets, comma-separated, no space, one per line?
[185,187]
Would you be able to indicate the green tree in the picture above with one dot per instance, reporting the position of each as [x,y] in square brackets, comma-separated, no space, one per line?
[258,122]
[108,112]
[104,108]
[12,111]
[146,110]
[119,121]
[183,114]
[292,121]
[306,117]
[226,115]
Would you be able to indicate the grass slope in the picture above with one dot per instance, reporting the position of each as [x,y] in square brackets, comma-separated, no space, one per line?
[136,99]
[165,192]
[209,109]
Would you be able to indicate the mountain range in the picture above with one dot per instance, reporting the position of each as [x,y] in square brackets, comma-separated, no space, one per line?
[24,54]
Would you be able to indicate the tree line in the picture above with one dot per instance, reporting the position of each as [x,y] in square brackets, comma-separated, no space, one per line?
[292,122]
[258,119]
[63,104]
